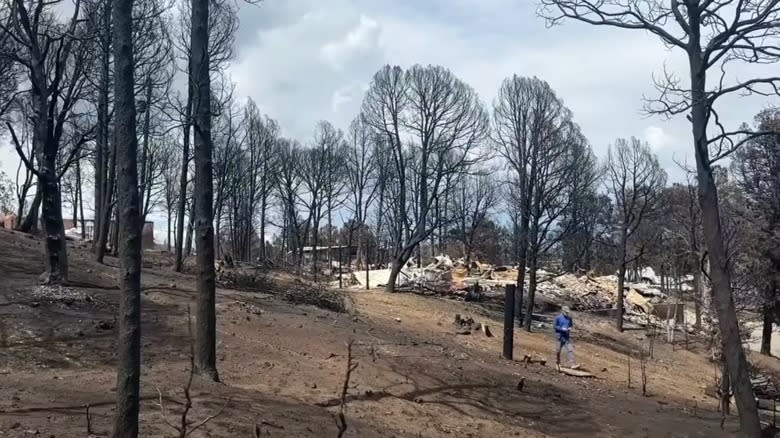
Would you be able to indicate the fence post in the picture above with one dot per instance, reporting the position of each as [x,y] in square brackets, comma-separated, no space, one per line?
[509,320]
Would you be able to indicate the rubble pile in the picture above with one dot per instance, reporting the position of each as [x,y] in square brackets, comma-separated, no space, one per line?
[56,294]
[580,293]
[476,281]
[464,326]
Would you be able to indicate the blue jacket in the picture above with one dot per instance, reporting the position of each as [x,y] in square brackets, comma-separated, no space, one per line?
[562,324]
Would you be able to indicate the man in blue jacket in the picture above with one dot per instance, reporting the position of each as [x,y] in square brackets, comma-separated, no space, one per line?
[563,326]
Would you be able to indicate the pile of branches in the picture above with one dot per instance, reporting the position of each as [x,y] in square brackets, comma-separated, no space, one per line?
[248,280]
[318,296]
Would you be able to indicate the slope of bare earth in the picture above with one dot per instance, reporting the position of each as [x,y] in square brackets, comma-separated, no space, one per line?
[282,366]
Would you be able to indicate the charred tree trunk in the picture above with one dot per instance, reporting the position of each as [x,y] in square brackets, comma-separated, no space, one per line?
[30,223]
[80,194]
[521,262]
[185,161]
[206,317]
[188,236]
[51,210]
[101,140]
[768,314]
[531,292]
[621,278]
[129,225]
[718,257]
[168,240]
[395,268]
[108,198]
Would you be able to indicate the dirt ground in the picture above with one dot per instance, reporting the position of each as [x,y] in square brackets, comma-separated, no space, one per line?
[282,366]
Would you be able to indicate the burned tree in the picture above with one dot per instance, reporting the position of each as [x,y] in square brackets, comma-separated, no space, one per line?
[362,179]
[221,26]
[713,35]
[262,133]
[586,218]
[129,342]
[432,123]
[634,180]
[474,198]
[200,90]
[757,170]
[321,173]
[54,56]
[534,132]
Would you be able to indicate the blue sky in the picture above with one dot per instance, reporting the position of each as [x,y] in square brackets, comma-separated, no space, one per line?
[307,60]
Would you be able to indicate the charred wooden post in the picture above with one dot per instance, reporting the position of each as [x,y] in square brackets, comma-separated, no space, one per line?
[509,321]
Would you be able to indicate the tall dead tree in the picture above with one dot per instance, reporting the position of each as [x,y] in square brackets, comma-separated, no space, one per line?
[432,123]
[129,341]
[288,183]
[634,180]
[200,90]
[54,56]
[221,28]
[319,180]
[756,167]
[105,156]
[473,200]
[362,175]
[529,122]
[261,136]
[714,35]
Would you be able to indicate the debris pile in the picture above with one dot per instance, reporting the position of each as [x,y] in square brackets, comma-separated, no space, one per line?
[464,326]
[56,294]
[313,295]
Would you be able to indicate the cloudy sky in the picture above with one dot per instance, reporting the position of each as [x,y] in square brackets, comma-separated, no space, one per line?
[309,60]
[306,60]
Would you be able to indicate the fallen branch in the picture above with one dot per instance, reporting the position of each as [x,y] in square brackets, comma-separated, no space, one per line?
[185,427]
[89,419]
[574,373]
[343,405]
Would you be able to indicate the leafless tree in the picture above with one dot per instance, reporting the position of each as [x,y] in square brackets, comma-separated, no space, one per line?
[221,27]
[261,135]
[129,342]
[432,123]
[473,201]
[585,220]
[714,35]
[321,181]
[634,180]
[362,179]
[105,156]
[200,92]
[534,132]
[55,57]
[288,185]
[170,188]
[756,167]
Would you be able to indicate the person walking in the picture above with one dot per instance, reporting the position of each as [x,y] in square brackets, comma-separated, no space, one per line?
[563,326]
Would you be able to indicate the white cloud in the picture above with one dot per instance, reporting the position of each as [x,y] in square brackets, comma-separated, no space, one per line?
[657,138]
[361,40]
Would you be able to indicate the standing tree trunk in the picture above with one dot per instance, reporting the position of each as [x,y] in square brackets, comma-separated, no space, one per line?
[101,138]
[80,194]
[185,161]
[206,318]
[168,240]
[720,274]
[769,317]
[621,280]
[129,225]
[108,195]
[30,223]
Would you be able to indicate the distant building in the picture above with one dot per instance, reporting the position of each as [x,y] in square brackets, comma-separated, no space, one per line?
[325,253]
[147,233]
